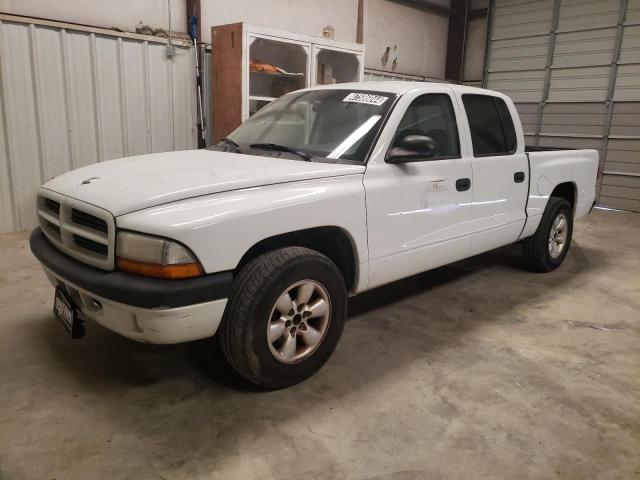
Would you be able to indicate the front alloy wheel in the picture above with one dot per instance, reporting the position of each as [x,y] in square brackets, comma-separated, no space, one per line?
[299,320]
[284,317]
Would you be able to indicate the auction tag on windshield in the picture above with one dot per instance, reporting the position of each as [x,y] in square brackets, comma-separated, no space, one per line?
[367,98]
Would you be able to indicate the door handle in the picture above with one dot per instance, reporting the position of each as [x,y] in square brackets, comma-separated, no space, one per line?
[463,184]
[518,177]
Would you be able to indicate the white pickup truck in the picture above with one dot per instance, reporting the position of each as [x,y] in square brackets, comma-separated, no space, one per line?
[325,193]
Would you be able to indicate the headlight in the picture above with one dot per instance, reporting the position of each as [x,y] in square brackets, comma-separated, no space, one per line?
[155,257]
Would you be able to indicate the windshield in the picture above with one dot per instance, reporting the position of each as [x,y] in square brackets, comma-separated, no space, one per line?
[336,124]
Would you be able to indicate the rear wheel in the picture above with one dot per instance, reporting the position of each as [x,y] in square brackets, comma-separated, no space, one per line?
[546,249]
[285,317]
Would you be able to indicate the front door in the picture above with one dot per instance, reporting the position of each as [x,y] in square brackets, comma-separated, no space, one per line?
[418,213]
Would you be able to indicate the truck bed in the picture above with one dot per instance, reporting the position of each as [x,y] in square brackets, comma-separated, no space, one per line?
[549,167]
[542,148]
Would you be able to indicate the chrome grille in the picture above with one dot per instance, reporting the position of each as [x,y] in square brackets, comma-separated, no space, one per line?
[81,230]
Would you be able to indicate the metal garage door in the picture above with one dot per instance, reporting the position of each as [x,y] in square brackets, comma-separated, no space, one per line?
[573,69]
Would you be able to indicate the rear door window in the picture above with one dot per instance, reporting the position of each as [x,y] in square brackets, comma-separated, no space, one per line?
[491,125]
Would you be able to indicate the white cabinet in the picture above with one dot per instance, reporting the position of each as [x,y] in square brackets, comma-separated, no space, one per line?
[253,65]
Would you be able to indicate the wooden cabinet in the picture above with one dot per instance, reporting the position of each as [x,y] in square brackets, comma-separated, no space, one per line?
[253,65]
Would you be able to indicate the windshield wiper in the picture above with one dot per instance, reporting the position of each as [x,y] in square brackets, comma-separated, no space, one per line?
[281,148]
[231,143]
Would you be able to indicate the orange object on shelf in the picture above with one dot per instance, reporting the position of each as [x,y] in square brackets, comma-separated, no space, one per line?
[257,66]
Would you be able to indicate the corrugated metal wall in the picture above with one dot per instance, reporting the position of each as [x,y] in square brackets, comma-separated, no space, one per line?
[573,69]
[71,96]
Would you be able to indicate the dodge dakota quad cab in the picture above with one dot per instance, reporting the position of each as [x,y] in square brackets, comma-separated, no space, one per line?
[324,193]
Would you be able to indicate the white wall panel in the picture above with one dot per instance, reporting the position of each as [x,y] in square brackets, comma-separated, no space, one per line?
[474,50]
[21,120]
[416,37]
[110,97]
[301,16]
[7,210]
[50,87]
[124,14]
[136,114]
[161,103]
[81,98]
[205,72]
[72,97]
[183,88]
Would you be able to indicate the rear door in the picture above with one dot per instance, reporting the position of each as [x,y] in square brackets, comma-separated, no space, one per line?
[500,171]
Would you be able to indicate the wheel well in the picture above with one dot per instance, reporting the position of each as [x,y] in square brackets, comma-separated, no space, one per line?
[567,191]
[333,242]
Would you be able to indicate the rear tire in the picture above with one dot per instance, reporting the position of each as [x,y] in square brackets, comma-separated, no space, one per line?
[547,248]
[284,318]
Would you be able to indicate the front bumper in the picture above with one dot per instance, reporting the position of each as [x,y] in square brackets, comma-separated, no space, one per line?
[144,309]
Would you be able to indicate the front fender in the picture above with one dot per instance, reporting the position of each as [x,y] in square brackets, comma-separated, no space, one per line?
[220,228]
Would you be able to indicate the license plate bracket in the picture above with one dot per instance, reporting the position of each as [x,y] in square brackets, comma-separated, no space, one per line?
[67,314]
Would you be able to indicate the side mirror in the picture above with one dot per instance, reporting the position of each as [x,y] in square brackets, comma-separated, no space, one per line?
[412,148]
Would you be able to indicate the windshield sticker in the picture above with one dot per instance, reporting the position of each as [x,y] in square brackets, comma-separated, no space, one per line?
[367,98]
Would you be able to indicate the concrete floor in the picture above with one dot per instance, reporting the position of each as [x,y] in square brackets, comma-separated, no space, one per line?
[475,370]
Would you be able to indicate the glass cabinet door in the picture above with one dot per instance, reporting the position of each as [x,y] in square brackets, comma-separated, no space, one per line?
[334,65]
[275,67]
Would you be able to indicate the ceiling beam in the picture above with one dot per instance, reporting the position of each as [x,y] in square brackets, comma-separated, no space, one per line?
[458,23]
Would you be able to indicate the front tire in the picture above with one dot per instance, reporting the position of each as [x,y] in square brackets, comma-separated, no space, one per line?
[547,248]
[284,318]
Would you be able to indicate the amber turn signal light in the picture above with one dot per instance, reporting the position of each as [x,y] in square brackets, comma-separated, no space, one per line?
[171,272]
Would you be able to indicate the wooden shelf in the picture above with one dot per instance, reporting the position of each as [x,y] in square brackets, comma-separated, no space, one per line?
[278,74]
[261,99]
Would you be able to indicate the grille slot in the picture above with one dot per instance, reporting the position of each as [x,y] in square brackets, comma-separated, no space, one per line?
[88,220]
[91,245]
[52,206]
[55,229]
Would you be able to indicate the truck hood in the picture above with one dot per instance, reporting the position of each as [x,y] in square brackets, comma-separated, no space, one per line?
[129,184]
